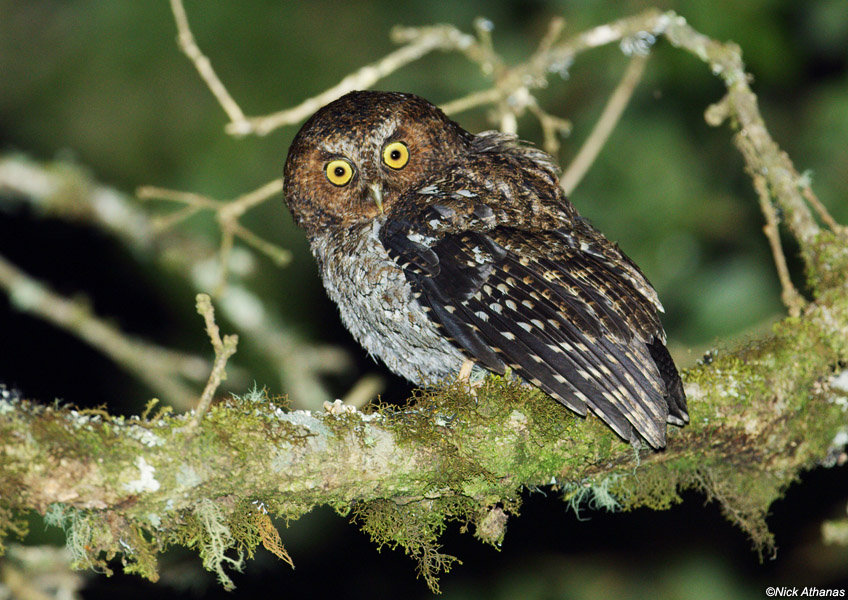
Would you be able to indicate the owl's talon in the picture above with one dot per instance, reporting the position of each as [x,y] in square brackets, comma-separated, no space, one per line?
[337,407]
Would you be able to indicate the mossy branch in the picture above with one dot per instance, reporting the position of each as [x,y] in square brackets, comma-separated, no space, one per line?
[135,486]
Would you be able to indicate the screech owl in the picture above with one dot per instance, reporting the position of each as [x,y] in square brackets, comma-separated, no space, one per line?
[440,246]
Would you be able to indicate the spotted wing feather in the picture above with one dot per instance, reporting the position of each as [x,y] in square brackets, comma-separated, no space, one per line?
[564,315]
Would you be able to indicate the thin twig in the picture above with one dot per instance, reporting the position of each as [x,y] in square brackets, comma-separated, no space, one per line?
[761,153]
[66,191]
[203,66]
[360,79]
[224,349]
[552,128]
[165,222]
[820,208]
[245,202]
[472,100]
[149,192]
[158,367]
[555,28]
[606,123]
[280,256]
[227,214]
[793,300]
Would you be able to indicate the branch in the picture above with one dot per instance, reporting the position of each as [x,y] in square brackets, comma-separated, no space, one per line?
[227,214]
[202,64]
[759,416]
[512,94]
[68,192]
[160,368]
[793,300]
[439,37]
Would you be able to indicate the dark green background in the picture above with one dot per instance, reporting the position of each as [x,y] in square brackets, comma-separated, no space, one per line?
[103,84]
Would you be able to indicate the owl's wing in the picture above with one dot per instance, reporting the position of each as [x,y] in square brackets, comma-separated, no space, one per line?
[565,312]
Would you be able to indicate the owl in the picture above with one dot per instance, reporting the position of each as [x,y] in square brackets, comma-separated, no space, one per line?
[443,248]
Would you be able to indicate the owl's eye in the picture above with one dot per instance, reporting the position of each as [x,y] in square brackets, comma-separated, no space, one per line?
[396,155]
[339,171]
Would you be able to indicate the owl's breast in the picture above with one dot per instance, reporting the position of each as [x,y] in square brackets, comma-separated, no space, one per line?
[377,305]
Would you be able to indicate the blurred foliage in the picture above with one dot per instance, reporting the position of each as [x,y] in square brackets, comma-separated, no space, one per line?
[103,84]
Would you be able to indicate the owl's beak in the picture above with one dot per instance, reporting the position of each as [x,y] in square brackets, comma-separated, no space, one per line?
[377,195]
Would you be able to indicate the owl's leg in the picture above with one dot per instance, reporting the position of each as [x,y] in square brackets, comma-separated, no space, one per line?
[465,370]
[471,376]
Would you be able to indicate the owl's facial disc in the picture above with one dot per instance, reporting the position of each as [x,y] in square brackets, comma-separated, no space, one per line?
[358,157]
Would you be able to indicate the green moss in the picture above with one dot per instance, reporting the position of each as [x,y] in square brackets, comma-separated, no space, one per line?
[745,496]
[215,539]
[756,420]
[653,486]
[827,261]
[10,523]
[140,551]
[414,527]
[600,495]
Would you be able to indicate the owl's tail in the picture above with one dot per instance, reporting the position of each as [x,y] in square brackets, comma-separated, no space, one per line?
[675,396]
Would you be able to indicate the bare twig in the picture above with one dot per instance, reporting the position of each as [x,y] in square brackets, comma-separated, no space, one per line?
[236,208]
[760,151]
[606,123]
[227,214]
[194,203]
[472,100]
[364,391]
[779,417]
[793,301]
[203,66]
[224,349]
[441,37]
[820,208]
[552,128]
[67,191]
[159,368]
[555,29]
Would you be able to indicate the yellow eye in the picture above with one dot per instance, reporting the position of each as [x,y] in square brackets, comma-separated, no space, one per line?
[396,155]
[339,171]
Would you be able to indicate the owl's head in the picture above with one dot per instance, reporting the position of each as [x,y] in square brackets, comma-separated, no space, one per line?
[354,158]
